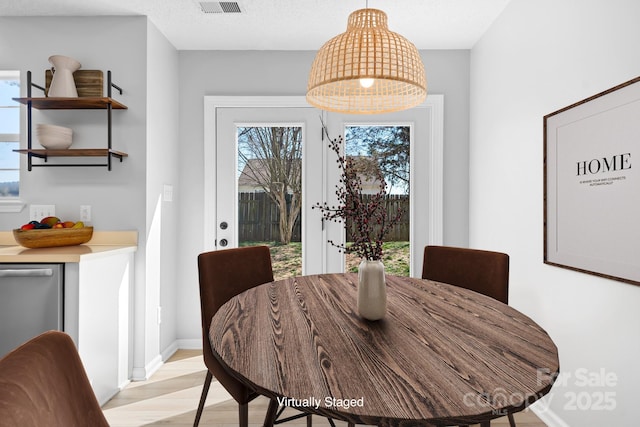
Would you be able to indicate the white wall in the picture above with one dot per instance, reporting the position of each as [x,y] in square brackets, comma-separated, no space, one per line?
[285,73]
[537,58]
[116,44]
[145,65]
[162,171]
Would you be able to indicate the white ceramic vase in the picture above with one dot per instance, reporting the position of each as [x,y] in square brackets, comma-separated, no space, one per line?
[372,290]
[62,83]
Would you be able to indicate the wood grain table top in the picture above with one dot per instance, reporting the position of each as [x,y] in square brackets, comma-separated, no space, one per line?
[442,355]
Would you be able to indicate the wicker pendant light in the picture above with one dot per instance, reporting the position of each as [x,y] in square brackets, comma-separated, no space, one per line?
[367,69]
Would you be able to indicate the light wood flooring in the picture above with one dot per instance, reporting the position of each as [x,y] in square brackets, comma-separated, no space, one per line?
[170,398]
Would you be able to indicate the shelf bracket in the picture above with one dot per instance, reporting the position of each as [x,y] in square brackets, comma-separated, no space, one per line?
[111,84]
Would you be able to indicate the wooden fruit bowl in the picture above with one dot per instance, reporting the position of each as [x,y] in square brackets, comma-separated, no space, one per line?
[52,237]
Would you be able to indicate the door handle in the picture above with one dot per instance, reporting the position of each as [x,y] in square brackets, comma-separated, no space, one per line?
[224,242]
[27,272]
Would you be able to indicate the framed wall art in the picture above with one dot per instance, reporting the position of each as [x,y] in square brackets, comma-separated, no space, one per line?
[592,185]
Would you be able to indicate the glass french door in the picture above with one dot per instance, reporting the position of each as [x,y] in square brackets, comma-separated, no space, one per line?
[267,164]
[400,146]
[381,155]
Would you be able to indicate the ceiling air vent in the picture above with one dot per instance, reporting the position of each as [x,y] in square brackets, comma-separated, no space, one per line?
[220,7]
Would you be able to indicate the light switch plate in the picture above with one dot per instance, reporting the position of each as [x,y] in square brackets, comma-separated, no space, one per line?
[85,213]
[167,193]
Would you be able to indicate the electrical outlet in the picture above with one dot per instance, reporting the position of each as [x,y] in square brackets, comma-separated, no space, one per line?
[85,213]
[37,212]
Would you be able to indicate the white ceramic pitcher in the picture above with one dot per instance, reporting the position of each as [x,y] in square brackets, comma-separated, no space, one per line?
[62,83]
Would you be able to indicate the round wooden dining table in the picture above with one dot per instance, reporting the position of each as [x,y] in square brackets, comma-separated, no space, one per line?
[442,355]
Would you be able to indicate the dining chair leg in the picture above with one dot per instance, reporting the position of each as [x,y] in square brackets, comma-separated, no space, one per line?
[203,397]
[351,424]
[485,424]
[243,414]
[512,422]
[271,415]
[309,421]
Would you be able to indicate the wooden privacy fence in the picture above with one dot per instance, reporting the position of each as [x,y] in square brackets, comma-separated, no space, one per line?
[400,232]
[258,218]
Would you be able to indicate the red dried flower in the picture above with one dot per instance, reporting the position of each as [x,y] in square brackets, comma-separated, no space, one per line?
[369,217]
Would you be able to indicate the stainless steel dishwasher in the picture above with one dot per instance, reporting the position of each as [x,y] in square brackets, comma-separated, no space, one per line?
[31,302]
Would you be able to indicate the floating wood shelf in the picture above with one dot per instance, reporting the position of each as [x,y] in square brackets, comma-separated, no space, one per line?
[74,152]
[85,103]
[77,103]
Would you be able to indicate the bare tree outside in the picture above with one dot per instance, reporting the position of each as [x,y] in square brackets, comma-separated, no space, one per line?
[271,157]
[270,188]
[388,146]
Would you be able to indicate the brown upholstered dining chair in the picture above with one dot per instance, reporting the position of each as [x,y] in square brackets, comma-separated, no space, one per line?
[43,383]
[224,274]
[485,272]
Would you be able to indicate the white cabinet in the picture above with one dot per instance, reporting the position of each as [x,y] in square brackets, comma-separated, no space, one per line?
[97,316]
[98,284]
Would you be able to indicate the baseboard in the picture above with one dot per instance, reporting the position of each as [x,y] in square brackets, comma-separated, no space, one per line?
[547,416]
[169,351]
[124,384]
[103,401]
[193,344]
[154,365]
[142,374]
[121,387]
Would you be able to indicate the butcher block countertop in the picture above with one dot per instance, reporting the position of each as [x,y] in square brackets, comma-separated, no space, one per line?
[103,243]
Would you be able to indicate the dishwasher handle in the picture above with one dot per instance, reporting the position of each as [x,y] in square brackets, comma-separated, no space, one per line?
[26,272]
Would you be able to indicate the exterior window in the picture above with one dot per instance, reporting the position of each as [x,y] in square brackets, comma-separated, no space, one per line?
[9,134]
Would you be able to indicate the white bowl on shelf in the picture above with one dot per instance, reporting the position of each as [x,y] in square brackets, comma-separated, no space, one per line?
[54,137]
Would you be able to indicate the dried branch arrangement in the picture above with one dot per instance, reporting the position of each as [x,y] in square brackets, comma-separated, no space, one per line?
[369,217]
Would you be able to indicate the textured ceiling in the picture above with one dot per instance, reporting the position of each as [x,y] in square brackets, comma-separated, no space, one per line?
[283,24]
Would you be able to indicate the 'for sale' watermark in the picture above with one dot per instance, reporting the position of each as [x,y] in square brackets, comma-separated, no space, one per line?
[589,391]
